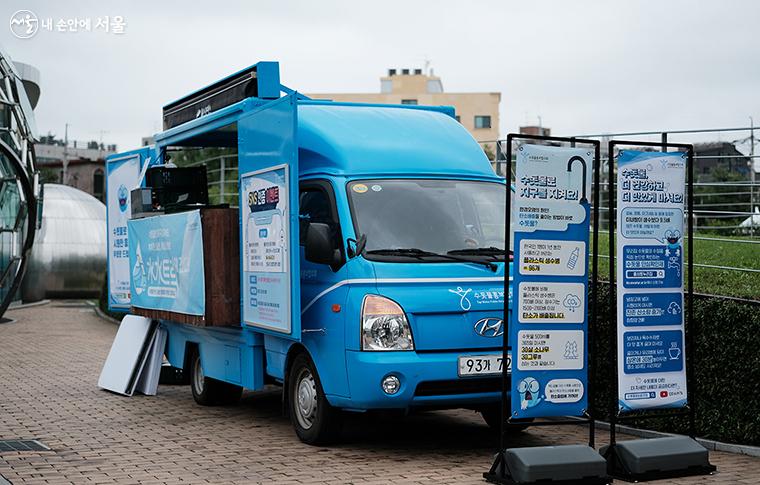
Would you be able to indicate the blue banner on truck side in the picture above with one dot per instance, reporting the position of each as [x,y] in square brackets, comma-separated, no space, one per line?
[651,365]
[550,316]
[166,261]
[122,175]
[265,240]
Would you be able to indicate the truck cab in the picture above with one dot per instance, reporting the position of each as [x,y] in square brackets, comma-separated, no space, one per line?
[412,279]
[397,265]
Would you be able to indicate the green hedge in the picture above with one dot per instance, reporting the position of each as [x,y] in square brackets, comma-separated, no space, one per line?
[727,370]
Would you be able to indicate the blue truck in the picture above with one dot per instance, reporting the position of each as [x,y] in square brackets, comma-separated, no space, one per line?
[372,256]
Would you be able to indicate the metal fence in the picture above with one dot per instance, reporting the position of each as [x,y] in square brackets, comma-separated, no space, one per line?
[222,174]
[726,211]
[726,190]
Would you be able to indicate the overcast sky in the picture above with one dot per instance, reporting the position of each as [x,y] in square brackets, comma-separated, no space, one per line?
[582,66]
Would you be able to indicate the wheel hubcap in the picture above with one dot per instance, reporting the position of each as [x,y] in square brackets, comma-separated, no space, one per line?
[198,377]
[306,399]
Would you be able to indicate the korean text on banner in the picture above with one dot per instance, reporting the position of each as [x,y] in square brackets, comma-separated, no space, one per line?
[166,257]
[265,240]
[550,317]
[123,176]
[650,329]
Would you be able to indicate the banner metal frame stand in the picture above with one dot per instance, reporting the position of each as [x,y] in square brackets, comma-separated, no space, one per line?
[499,471]
[616,466]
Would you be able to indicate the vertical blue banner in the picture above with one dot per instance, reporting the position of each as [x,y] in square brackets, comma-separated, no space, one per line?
[265,241]
[166,261]
[122,175]
[550,315]
[651,365]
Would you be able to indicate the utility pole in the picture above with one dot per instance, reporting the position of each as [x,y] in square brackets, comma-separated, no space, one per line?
[752,176]
[65,154]
[101,147]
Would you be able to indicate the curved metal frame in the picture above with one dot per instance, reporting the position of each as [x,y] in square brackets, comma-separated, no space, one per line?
[31,211]
[23,162]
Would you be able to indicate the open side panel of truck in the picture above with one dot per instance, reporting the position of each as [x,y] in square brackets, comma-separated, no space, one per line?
[269,237]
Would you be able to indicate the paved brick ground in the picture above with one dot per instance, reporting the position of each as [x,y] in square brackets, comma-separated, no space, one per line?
[50,359]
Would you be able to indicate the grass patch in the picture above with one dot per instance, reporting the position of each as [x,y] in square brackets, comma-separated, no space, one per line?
[714,281]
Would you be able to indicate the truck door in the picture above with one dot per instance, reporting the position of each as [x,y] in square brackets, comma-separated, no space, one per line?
[269,253]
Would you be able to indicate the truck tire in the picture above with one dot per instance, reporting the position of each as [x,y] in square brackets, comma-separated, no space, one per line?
[315,421]
[492,416]
[208,391]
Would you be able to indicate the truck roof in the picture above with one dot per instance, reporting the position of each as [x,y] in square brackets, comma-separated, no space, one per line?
[371,140]
[350,139]
[335,138]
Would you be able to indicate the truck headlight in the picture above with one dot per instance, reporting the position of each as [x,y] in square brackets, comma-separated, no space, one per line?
[384,325]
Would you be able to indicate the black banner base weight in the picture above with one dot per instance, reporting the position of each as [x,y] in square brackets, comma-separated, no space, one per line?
[657,459]
[549,465]
[494,478]
[662,475]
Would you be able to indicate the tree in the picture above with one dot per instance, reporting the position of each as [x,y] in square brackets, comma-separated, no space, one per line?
[211,157]
[721,198]
[49,175]
[489,152]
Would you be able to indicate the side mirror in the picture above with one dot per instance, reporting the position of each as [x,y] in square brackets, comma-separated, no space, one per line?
[319,247]
[356,246]
[303,229]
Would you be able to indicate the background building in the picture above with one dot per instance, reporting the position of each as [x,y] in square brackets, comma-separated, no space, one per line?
[85,163]
[535,130]
[478,112]
[724,155]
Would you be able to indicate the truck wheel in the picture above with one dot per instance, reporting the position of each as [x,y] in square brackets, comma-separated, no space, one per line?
[208,391]
[314,420]
[492,416]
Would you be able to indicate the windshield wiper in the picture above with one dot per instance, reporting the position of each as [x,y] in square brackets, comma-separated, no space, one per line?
[489,250]
[420,253]
[492,251]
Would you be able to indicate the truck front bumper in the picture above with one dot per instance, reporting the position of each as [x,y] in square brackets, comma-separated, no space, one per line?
[428,379]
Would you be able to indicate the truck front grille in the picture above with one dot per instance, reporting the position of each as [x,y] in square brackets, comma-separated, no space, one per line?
[458,386]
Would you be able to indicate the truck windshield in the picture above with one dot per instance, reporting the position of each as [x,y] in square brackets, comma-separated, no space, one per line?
[411,218]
